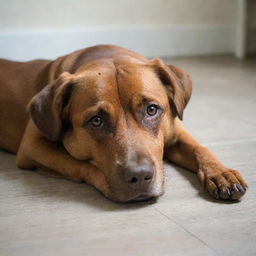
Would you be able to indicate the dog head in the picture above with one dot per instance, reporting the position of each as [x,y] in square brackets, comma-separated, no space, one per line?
[118,115]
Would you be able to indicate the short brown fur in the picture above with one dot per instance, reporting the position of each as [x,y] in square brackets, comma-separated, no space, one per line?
[119,88]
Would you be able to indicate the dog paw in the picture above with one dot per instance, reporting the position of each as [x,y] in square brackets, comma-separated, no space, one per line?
[227,184]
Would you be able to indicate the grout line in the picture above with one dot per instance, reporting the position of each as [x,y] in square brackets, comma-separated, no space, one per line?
[187,231]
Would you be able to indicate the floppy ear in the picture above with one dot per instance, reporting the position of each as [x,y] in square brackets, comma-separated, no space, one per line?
[47,107]
[177,83]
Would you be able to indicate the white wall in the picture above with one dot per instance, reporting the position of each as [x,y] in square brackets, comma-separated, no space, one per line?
[31,28]
[33,14]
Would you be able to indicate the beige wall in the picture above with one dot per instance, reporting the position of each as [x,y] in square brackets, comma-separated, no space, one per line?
[49,28]
[36,14]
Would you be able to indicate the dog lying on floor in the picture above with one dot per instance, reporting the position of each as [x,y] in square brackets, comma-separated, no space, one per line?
[106,116]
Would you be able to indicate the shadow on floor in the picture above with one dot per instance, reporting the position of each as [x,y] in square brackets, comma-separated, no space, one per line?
[53,189]
[41,186]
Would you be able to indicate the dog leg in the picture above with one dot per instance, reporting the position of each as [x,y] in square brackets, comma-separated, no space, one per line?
[220,181]
[37,152]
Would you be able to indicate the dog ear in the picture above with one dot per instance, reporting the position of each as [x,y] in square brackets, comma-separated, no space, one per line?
[178,85]
[47,107]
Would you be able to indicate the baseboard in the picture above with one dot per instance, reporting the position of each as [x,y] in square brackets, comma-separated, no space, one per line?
[149,41]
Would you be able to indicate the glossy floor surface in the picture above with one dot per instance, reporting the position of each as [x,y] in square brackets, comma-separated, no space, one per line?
[46,216]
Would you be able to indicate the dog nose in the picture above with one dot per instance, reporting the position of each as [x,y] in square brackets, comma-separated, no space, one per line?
[139,175]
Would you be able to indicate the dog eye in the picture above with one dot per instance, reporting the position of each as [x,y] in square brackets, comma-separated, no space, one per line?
[96,121]
[152,109]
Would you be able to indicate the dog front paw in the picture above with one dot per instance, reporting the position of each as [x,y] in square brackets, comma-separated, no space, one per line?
[226,184]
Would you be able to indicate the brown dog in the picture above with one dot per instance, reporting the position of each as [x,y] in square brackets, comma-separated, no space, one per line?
[106,116]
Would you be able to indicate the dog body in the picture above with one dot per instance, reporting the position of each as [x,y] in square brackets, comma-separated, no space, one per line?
[106,116]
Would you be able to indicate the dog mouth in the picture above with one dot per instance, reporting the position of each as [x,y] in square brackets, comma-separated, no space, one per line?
[134,197]
[126,194]
[141,198]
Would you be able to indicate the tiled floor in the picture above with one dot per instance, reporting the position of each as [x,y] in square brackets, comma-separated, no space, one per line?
[46,216]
